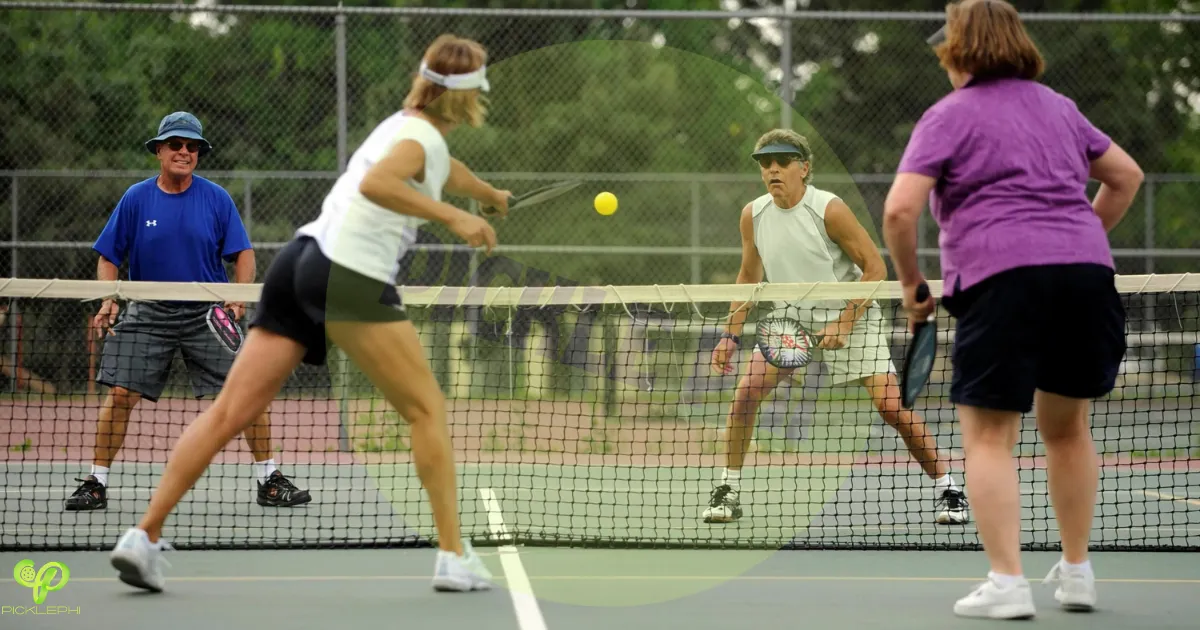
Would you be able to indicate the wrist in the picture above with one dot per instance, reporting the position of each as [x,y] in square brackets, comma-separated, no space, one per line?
[736,339]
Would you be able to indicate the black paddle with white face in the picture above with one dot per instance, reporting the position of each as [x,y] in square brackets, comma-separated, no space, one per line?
[918,361]
[539,195]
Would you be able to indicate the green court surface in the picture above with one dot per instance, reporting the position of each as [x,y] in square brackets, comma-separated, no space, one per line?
[587,589]
[883,506]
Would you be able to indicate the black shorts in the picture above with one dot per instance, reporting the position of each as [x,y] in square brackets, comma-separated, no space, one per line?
[303,290]
[1055,328]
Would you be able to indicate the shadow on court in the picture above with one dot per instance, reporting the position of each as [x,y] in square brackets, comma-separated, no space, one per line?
[585,589]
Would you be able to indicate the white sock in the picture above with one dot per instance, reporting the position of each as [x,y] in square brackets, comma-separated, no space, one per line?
[1006,581]
[946,482]
[101,474]
[1085,567]
[732,478]
[262,470]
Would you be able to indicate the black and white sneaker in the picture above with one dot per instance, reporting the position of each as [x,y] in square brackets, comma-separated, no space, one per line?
[952,508]
[279,492]
[90,495]
[723,506]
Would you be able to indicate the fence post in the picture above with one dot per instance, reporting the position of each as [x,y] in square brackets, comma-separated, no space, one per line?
[248,206]
[785,67]
[340,54]
[14,311]
[696,232]
[339,378]
[1148,236]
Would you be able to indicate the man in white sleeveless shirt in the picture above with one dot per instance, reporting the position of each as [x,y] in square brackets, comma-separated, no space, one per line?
[799,233]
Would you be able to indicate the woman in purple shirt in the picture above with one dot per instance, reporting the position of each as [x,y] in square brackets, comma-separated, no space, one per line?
[1029,277]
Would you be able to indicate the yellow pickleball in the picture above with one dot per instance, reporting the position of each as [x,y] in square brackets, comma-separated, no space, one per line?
[605,203]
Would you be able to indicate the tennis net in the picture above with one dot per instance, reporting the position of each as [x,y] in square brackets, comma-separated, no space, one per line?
[585,416]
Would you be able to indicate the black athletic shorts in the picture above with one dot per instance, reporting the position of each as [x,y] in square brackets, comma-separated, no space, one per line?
[1057,328]
[303,290]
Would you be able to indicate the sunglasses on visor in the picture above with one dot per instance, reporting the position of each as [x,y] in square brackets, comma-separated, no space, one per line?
[783,159]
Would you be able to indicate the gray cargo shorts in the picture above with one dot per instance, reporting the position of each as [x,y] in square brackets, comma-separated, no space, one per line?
[138,354]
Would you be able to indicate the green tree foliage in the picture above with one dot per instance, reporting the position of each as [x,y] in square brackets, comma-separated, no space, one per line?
[83,90]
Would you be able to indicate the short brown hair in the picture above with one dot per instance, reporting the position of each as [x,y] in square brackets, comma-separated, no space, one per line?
[449,54]
[986,39]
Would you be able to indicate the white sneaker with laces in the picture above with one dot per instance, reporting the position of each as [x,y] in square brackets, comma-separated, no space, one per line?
[1076,588]
[139,561]
[952,508]
[467,572]
[723,505]
[991,600]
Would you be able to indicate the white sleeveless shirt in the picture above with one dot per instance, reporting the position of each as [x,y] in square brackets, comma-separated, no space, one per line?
[795,247]
[362,236]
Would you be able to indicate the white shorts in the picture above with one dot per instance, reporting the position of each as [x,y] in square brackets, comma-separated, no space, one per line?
[867,352]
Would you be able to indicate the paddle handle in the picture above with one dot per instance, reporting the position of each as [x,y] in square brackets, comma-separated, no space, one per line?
[922,295]
[492,209]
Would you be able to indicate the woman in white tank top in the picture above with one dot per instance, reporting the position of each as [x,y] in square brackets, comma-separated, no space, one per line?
[798,233]
[336,279]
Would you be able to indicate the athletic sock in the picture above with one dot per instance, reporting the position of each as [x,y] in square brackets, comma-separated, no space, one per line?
[946,482]
[732,478]
[101,474]
[263,470]
[1085,567]
[1006,581]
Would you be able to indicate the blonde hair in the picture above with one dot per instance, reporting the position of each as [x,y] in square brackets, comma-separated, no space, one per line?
[985,38]
[449,54]
[787,136]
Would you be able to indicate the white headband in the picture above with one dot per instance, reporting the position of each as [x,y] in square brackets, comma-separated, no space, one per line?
[468,81]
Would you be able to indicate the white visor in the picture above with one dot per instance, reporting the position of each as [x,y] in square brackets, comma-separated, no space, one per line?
[470,81]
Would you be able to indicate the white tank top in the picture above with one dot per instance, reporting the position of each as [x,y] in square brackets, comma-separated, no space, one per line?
[360,235]
[795,247]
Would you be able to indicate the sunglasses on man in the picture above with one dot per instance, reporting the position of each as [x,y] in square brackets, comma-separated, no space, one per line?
[783,159]
[175,145]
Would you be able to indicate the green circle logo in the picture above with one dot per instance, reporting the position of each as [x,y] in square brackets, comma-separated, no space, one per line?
[41,581]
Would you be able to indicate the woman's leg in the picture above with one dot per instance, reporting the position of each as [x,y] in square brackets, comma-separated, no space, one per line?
[257,375]
[989,437]
[1072,469]
[391,356]
[1073,473]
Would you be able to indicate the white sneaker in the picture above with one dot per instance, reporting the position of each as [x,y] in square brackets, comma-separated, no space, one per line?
[993,601]
[140,561]
[461,573]
[952,508]
[723,506]
[1076,589]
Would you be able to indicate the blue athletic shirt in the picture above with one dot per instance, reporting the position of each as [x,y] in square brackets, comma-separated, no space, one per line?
[174,237]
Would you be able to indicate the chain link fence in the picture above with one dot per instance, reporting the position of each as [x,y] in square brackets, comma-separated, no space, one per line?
[658,107]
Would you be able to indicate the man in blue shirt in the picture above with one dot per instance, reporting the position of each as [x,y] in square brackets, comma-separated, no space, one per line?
[174,227]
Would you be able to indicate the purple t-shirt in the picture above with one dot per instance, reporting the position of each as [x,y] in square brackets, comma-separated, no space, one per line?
[1011,160]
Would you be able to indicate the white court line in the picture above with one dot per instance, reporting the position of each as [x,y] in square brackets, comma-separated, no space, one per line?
[626,578]
[529,614]
[1154,494]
